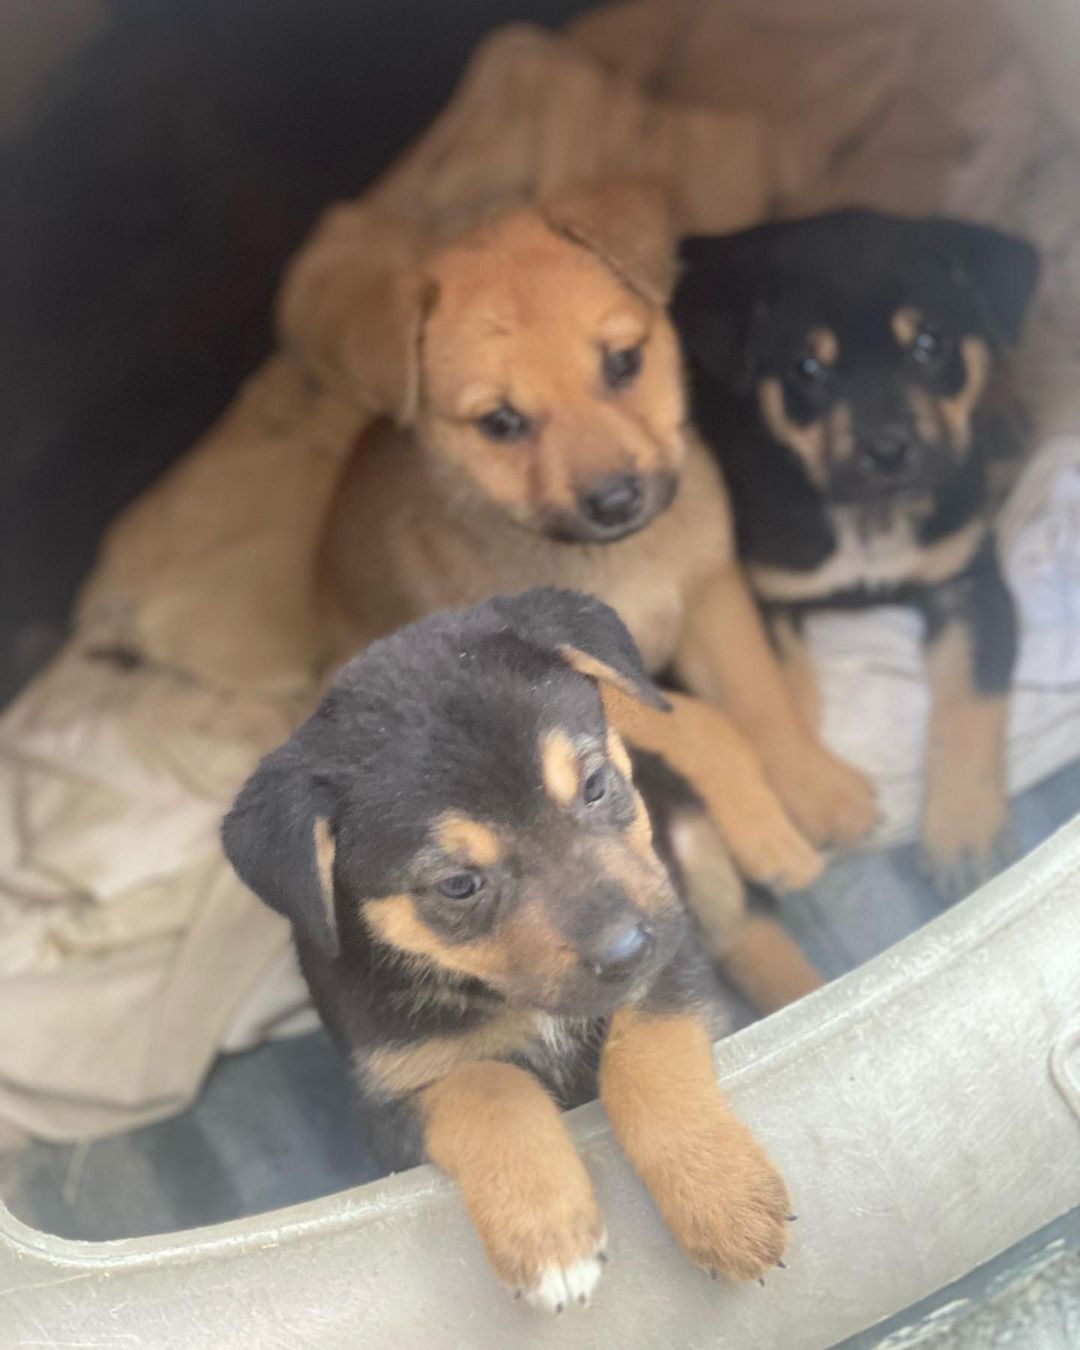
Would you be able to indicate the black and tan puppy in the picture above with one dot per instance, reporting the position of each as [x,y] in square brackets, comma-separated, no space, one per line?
[850,373]
[491,918]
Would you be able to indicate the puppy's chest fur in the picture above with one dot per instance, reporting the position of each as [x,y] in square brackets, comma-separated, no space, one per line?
[876,551]
[561,1051]
[413,547]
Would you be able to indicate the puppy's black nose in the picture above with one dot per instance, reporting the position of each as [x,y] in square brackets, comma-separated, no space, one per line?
[613,501]
[619,954]
[891,451]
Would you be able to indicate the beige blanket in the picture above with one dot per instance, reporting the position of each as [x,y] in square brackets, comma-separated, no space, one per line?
[129,954]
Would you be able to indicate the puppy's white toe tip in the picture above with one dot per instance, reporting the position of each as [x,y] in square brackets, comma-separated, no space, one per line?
[560,1286]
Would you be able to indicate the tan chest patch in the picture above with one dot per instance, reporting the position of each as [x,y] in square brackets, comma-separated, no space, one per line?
[877,560]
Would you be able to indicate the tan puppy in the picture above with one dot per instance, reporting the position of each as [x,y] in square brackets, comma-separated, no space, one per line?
[540,439]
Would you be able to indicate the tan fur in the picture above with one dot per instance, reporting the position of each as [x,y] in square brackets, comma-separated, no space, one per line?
[726,656]
[640,833]
[629,227]
[799,671]
[718,1192]
[585,664]
[559,766]
[906,323]
[503,330]
[956,411]
[494,1129]
[395,1071]
[702,744]
[823,346]
[966,806]
[886,559]
[808,441]
[754,952]
[525,943]
[324,865]
[469,840]
[432,518]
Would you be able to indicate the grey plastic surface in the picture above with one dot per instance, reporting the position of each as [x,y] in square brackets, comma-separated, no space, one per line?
[924,1109]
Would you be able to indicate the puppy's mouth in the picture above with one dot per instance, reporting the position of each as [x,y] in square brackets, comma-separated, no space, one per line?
[613,508]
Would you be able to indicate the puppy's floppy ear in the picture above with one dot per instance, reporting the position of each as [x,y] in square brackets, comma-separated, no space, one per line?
[587,634]
[628,226]
[723,293]
[278,840]
[1000,269]
[353,309]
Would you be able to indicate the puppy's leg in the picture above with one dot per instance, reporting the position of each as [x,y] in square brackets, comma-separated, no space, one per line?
[494,1129]
[712,1181]
[701,744]
[797,668]
[971,649]
[755,952]
[724,656]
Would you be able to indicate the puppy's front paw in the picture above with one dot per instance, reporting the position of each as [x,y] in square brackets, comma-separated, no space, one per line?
[551,1258]
[966,839]
[726,1204]
[832,803]
[771,851]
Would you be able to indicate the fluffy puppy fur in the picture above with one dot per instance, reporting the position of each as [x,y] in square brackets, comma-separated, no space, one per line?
[489,898]
[851,374]
[534,433]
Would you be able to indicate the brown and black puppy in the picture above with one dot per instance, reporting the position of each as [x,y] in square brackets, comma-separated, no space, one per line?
[535,435]
[850,373]
[491,917]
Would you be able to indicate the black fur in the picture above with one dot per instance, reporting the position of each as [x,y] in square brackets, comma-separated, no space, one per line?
[449,714]
[744,309]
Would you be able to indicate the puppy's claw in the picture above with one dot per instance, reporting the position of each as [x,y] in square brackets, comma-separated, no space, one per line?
[791,1217]
[761,1281]
[781,1265]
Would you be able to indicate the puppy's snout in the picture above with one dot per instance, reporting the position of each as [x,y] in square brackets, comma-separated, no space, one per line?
[617,500]
[618,955]
[891,453]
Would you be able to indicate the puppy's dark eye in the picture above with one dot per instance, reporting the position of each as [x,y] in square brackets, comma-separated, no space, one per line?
[928,347]
[622,367]
[809,370]
[503,423]
[595,787]
[461,886]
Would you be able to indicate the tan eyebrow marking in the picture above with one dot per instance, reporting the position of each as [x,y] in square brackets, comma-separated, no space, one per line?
[325,848]
[460,834]
[905,324]
[559,765]
[823,345]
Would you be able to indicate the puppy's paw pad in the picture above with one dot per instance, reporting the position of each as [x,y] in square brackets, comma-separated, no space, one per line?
[562,1287]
